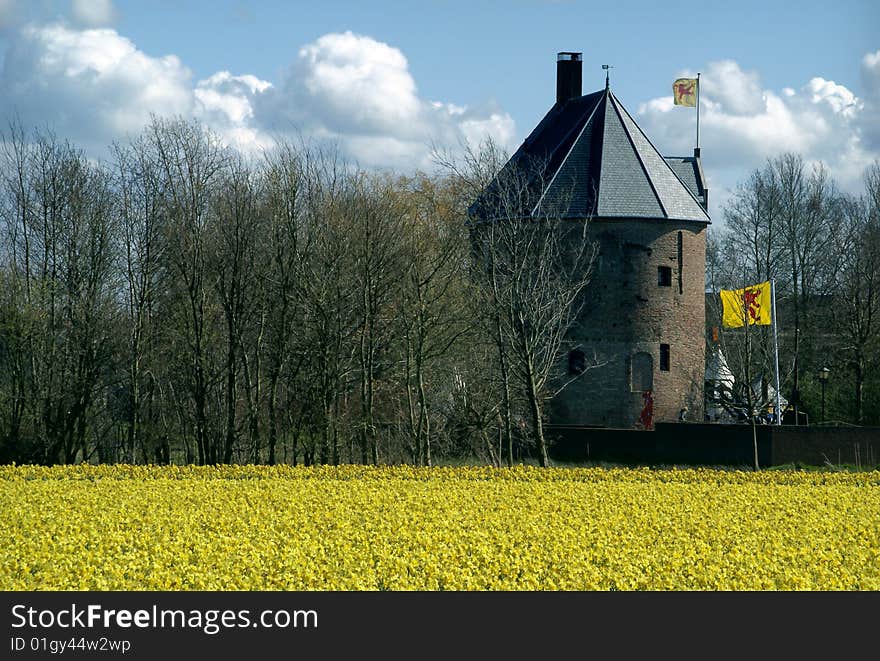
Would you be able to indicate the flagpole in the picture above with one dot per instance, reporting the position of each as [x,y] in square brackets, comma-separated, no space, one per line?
[698,111]
[776,351]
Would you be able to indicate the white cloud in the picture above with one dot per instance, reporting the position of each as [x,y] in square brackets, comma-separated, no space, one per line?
[94,85]
[91,86]
[358,81]
[225,103]
[838,97]
[360,92]
[870,119]
[93,13]
[871,74]
[229,95]
[498,125]
[736,91]
[742,124]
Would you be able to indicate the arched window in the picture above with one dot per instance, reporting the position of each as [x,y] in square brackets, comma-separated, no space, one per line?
[641,372]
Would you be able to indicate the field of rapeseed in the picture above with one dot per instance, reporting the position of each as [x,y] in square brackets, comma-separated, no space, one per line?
[400,528]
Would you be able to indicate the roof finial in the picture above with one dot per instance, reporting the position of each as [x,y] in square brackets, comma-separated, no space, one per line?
[606,67]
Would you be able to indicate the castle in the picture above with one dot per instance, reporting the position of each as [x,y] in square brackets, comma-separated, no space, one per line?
[639,340]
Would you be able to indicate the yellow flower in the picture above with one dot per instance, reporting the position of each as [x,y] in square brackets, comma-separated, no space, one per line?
[405,528]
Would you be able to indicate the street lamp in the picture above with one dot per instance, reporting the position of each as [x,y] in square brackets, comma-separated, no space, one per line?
[823,379]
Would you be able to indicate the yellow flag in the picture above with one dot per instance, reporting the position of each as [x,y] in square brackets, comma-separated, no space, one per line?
[752,303]
[684,92]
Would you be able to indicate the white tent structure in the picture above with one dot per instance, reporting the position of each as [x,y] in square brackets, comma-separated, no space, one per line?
[720,390]
[719,386]
[717,371]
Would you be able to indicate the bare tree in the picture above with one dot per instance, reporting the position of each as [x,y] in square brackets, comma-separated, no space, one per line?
[857,317]
[286,244]
[433,310]
[18,310]
[375,216]
[809,217]
[60,259]
[234,268]
[141,252]
[189,160]
[751,245]
[473,176]
[751,358]
[329,322]
[781,225]
[533,263]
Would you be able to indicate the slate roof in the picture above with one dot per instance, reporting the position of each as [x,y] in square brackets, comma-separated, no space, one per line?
[588,158]
[687,168]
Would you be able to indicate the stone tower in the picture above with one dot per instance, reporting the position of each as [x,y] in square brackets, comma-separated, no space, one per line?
[640,340]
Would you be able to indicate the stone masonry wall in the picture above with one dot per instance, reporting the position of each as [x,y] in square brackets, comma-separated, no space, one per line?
[626,311]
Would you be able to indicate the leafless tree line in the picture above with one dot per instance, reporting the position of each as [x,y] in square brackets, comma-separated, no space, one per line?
[790,222]
[182,303]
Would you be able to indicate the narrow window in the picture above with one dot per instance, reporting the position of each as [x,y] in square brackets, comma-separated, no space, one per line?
[577,362]
[664,357]
[680,262]
[664,276]
[641,372]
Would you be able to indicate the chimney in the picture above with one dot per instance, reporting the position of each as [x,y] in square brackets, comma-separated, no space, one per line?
[702,179]
[568,76]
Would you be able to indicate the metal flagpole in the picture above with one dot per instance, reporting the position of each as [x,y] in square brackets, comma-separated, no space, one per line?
[776,351]
[698,110]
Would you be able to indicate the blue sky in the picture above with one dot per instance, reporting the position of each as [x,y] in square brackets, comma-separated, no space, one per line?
[385,78]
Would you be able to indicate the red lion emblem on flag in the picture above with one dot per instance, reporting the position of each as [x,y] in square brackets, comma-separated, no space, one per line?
[752,303]
[684,92]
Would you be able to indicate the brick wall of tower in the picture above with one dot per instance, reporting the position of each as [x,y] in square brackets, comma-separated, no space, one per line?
[626,311]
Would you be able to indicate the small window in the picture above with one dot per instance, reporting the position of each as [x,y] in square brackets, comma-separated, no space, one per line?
[577,362]
[664,276]
[664,357]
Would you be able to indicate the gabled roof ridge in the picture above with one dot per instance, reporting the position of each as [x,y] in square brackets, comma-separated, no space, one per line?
[613,168]
[567,154]
[555,111]
[614,104]
[663,159]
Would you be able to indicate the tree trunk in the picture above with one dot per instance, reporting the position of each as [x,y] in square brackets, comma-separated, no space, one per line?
[229,443]
[505,391]
[423,416]
[535,409]
[273,416]
[755,442]
[860,382]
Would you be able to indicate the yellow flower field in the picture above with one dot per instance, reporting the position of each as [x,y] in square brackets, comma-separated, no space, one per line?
[402,528]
